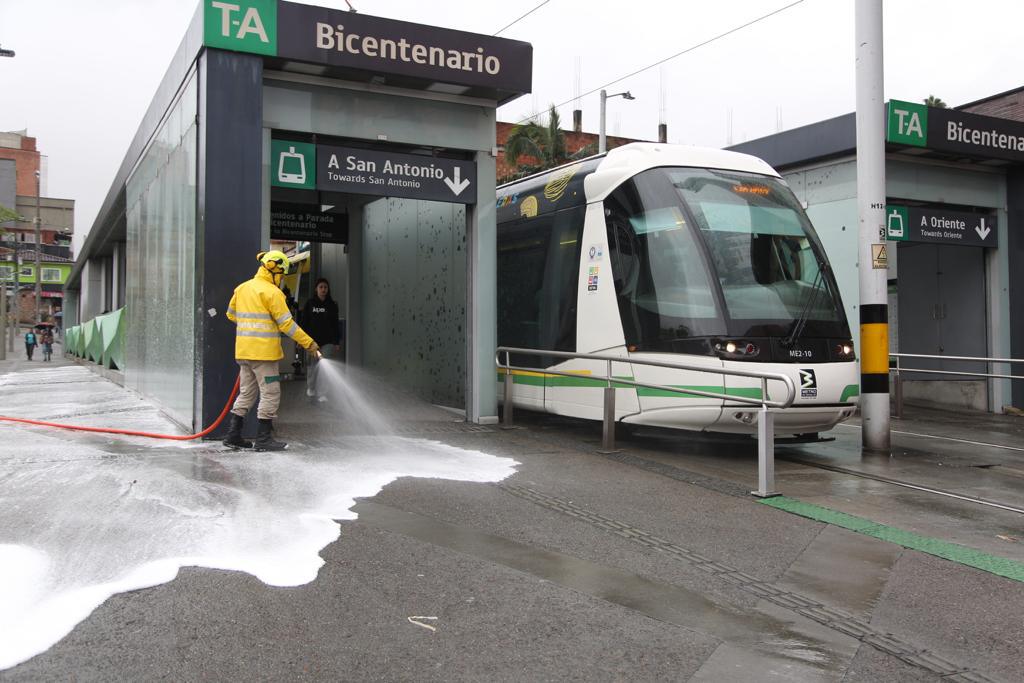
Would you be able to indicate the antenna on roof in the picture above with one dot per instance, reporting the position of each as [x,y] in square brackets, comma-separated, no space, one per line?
[350,7]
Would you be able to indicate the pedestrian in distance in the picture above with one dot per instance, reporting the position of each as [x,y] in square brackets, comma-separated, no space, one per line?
[47,345]
[320,318]
[30,343]
[261,316]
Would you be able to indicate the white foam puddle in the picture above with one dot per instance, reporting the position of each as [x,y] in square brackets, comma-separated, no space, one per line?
[80,524]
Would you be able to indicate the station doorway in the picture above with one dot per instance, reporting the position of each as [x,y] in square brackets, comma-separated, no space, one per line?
[396,264]
[942,312]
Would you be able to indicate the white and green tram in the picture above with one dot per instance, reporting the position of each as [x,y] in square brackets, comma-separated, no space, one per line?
[664,252]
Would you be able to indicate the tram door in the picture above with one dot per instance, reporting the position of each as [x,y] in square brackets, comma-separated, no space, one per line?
[942,308]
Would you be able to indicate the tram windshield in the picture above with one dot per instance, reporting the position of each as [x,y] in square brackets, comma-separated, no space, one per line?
[703,252]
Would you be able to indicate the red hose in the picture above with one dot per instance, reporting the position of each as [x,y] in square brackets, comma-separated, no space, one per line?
[128,432]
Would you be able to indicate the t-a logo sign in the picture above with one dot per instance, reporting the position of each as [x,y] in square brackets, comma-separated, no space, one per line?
[908,123]
[241,25]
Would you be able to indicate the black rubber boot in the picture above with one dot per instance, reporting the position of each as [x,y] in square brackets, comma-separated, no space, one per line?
[265,438]
[234,438]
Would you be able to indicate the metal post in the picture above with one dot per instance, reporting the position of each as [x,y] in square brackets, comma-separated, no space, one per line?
[506,412]
[39,246]
[608,424]
[899,390]
[602,141]
[765,454]
[872,266]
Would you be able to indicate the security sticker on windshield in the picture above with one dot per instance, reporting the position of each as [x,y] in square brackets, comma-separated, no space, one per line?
[592,279]
[596,252]
[808,384]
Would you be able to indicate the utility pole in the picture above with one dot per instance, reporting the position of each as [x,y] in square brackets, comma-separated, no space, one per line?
[871,251]
[3,309]
[17,292]
[39,246]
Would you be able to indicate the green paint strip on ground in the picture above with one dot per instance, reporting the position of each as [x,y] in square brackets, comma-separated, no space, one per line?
[1000,566]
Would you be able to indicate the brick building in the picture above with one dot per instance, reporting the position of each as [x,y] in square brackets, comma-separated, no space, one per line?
[21,149]
[23,192]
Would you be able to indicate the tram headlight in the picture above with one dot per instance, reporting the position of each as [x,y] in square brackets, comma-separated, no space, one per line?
[738,349]
[845,350]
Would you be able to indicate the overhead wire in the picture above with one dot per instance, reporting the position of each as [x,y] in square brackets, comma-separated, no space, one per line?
[521,18]
[678,54]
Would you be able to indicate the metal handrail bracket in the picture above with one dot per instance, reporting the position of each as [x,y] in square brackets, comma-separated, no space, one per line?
[765,422]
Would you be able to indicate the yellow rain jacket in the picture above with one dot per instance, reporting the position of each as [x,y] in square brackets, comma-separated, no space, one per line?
[261,316]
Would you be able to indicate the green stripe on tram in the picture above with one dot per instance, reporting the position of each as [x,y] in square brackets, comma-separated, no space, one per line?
[745,392]
[849,392]
[1000,566]
[537,379]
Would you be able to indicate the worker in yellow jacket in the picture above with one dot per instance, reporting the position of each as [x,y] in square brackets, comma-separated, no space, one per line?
[261,316]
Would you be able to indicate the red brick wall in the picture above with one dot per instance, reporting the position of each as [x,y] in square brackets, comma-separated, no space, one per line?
[574,142]
[26,160]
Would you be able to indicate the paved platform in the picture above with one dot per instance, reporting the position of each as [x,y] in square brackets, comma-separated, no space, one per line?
[463,552]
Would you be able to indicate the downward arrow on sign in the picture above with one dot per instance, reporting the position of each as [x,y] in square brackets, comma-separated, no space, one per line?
[982,230]
[456,183]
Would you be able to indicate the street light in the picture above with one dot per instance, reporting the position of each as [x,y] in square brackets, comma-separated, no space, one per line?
[602,142]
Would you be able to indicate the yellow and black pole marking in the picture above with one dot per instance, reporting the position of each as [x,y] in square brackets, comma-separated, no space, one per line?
[874,349]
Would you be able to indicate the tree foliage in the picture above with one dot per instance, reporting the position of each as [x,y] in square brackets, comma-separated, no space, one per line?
[933,101]
[545,143]
[8,215]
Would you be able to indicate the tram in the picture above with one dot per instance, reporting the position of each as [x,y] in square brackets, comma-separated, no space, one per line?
[663,252]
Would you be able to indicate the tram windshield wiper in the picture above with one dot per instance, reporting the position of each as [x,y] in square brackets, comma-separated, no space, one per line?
[820,283]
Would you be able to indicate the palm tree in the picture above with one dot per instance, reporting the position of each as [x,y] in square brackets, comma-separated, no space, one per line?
[546,144]
[933,101]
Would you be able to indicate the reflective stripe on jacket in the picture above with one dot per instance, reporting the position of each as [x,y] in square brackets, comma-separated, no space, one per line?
[260,313]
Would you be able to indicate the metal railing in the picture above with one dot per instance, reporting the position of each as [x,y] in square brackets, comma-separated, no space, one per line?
[898,370]
[765,421]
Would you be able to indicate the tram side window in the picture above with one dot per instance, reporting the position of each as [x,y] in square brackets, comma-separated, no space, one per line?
[538,276]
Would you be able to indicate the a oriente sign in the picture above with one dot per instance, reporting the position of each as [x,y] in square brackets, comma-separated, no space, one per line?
[349,40]
[950,130]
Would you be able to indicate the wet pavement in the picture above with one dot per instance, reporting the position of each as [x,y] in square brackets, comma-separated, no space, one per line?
[446,551]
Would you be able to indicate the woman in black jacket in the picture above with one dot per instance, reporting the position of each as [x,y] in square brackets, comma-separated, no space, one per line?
[319,319]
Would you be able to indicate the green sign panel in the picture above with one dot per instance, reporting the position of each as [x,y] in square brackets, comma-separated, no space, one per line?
[241,25]
[907,123]
[897,223]
[939,225]
[293,164]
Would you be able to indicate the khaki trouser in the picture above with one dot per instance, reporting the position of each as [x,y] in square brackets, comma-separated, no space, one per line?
[262,379]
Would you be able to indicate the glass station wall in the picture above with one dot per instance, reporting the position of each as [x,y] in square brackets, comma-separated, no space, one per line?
[161,226]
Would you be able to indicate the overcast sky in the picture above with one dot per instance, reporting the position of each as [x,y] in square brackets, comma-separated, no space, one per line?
[86,70]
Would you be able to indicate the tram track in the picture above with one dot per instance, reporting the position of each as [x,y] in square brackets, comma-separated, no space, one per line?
[899,482]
